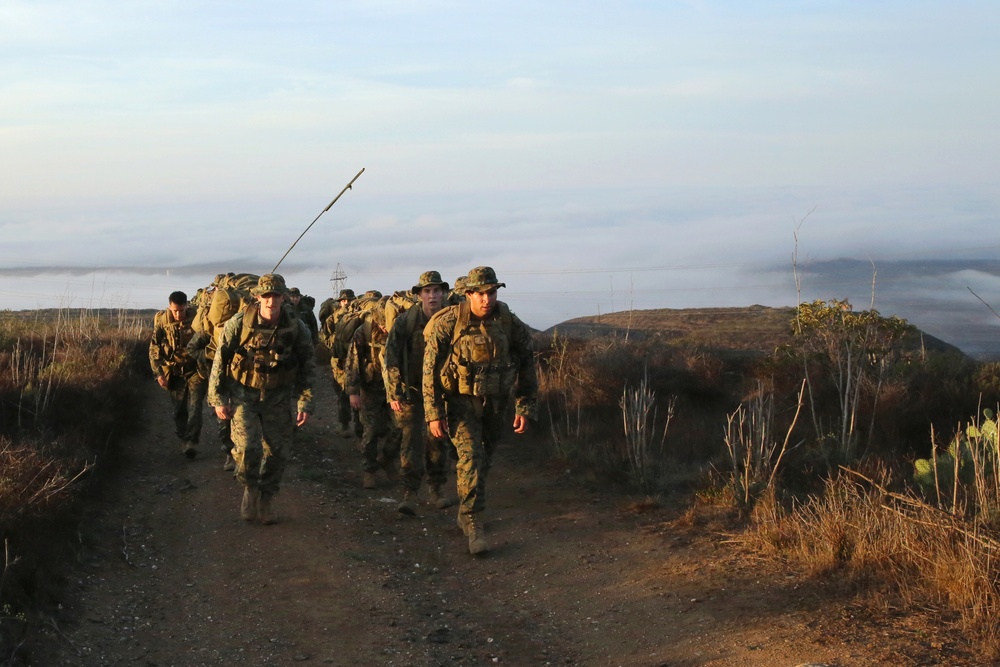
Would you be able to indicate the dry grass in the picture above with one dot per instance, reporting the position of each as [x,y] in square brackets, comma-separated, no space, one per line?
[927,557]
[66,390]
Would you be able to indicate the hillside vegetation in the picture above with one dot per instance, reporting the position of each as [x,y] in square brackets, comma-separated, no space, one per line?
[845,440]
[752,329]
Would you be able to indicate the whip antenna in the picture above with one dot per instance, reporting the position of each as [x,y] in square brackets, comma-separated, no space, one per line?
[346,188]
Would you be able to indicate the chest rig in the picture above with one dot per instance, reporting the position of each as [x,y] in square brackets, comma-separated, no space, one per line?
[176,337]
[480,363]
[265,357]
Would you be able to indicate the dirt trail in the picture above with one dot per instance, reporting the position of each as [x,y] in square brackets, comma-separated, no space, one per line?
[172,576]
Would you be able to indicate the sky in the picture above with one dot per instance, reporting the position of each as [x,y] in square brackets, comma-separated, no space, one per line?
[600,156]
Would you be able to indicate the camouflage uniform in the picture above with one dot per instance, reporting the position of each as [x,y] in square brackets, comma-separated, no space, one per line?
[470,367]
[260,370]
[363,373]
[330,313]
[404,354]
[169,359]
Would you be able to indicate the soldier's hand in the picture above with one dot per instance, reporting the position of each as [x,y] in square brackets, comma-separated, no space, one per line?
[437,429]
[397,406]
[162,381]
[355,401]
[301,418]
[224,411]
[520,424]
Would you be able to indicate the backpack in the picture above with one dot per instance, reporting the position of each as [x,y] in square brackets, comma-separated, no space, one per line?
[326,309]
[230,297]
[396,304]
[343,331]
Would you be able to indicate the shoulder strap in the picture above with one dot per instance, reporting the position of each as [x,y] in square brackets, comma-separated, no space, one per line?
[249,319]
[161,319]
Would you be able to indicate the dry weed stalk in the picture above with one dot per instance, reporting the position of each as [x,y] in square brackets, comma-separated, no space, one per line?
[638,408]
[924,554]
[754,454]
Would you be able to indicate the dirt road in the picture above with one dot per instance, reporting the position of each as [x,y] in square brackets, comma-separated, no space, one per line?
[172,576]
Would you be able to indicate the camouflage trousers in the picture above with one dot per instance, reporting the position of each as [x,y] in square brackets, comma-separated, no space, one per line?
[475,426]
[344,410]
[187,397]
[378,426]
[225,433]
[262,430]
[419,453]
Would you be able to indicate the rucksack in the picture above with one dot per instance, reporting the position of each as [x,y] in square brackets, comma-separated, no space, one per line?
[396,304]
[343,332]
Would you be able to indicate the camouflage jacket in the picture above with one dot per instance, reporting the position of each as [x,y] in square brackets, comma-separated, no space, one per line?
[168,355]
[486,358]
[404,356]
[363,366]
[284,353]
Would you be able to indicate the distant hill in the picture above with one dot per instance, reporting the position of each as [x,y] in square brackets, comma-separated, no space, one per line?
[752,330]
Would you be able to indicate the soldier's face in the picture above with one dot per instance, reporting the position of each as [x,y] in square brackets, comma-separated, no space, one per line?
[481,303]
[178,311]
[270,306]
[432,298]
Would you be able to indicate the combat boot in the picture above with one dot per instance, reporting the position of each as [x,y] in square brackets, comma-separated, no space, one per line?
[368,480]
[463,523]
[391,468]
[409,504]
[189,449]
[437,499]
[229,464]
[476,533]
[248,508]
[264,514]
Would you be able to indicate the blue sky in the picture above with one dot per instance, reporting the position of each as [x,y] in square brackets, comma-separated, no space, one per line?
[598,155]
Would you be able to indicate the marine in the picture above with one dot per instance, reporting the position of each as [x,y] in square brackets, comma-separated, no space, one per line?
[261,379]
[175,370]
[419,454]
[365,388]
[477,354]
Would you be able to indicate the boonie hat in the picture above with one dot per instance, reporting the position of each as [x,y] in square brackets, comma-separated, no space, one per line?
[460,284]
[429,279]
[270,283]
[482,279]
[346,294]
[295,291]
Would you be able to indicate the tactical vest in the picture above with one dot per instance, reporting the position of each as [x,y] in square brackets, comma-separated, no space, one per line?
[173,352]
[480,363]
[265,357]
